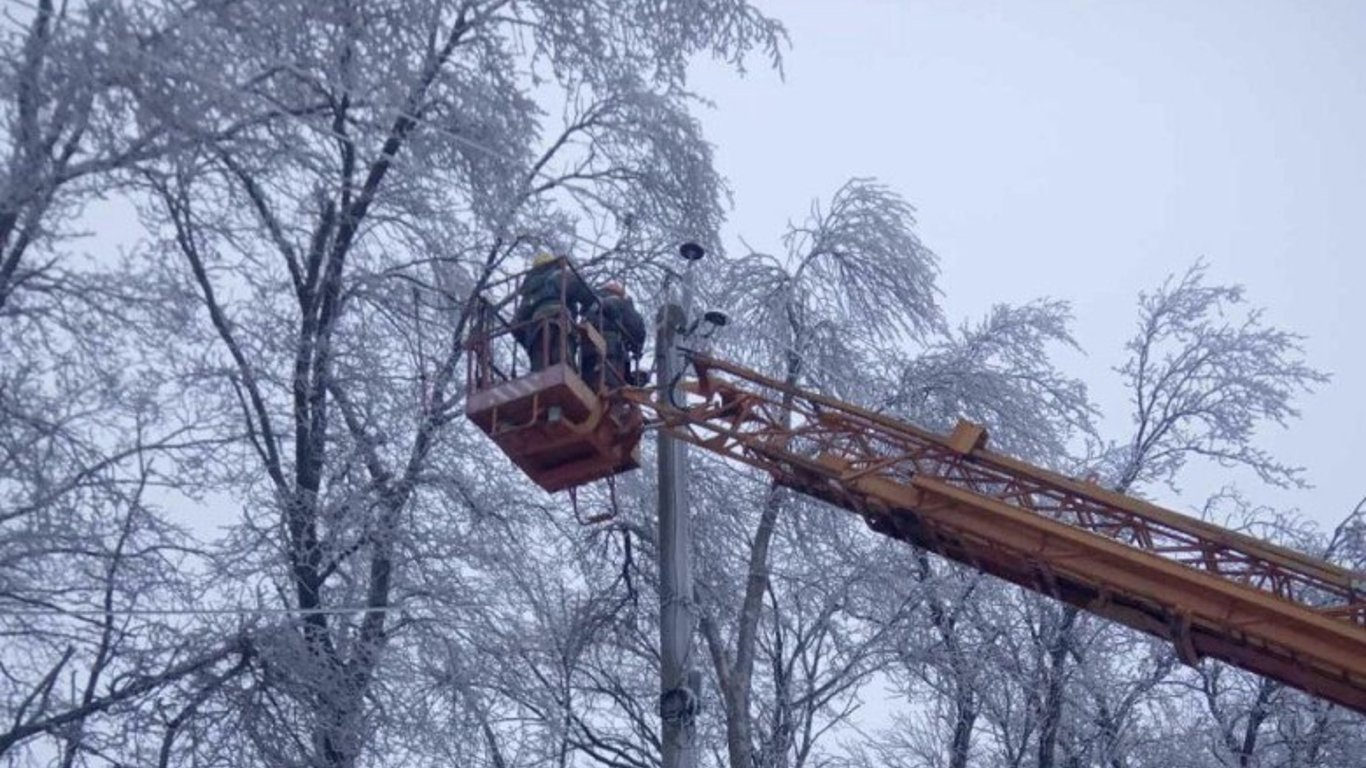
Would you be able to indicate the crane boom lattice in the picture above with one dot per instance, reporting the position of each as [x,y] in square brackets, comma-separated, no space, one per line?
[1210,591]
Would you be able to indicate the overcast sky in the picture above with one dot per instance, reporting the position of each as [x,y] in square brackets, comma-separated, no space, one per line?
[1085,151]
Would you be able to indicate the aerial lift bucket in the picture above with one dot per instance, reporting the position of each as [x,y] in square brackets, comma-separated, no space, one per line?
[561,430]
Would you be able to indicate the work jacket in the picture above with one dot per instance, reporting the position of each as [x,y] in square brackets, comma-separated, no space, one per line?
[622,324]
[542,288]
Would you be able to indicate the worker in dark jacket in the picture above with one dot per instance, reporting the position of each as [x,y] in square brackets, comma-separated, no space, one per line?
[550,299]
[623,330]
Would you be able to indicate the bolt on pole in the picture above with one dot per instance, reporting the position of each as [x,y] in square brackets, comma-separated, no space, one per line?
[678,695]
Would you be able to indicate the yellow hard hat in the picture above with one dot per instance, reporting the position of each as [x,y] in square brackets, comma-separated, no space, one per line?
[544,257]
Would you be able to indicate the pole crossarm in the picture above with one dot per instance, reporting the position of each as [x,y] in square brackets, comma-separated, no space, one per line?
[1208,590]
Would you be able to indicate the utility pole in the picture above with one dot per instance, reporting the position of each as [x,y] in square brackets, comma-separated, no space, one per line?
[678,694]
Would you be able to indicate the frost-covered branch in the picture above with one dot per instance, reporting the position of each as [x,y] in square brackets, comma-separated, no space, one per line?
[1204,375]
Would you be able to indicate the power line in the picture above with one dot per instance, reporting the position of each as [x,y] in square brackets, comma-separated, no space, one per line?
[132,612]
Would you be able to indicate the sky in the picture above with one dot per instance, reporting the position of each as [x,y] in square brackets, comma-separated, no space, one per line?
[1085,151]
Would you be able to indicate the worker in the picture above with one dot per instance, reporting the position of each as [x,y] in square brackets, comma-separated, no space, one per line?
[550,299]
[623,330]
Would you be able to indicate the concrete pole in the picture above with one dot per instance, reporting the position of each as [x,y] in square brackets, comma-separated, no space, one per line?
[678,696]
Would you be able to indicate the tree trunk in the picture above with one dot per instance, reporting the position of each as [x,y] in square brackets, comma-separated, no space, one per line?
[739,741]
[1051,716]
[739,679]
[965,711]
[1248,748]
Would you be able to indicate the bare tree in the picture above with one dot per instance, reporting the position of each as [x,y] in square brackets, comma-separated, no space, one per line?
[350,172]
[90,450]
[998,372]
[854,281]
[398,161]
[1204,374]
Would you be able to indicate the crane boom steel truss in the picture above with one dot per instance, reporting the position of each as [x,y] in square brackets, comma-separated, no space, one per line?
[1210,591]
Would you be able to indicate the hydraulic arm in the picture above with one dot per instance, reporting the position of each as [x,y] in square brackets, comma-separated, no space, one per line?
[1208,590]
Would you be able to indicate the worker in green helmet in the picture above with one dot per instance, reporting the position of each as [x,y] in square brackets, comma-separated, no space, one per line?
[549,301]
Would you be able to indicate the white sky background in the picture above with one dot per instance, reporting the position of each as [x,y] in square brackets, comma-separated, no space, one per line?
[1085,151]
